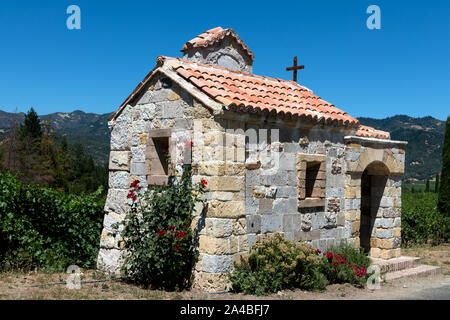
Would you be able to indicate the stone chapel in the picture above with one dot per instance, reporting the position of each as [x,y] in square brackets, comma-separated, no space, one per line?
[332,179]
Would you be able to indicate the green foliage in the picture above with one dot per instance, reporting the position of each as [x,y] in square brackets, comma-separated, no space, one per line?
[157,233]
[34,155]
[41,227]
[421,220]
[32,126]
[436,186]
[424,136]
[427,186]
[345,264]
[444,189]
[274,264]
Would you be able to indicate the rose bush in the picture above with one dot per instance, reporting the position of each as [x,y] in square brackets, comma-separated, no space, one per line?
[157,232]
[345,264]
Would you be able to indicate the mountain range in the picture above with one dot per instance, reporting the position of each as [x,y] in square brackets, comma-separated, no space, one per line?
[423,151]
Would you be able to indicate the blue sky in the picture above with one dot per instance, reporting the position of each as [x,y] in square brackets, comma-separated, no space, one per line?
[404,68]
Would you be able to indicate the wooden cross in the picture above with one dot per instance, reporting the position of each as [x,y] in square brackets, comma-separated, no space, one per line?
[295,68]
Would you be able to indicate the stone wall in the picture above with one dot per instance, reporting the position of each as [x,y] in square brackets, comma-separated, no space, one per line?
[249,194]
[162,105]
[272,200]
[226,53]
[382,163]
[222,227]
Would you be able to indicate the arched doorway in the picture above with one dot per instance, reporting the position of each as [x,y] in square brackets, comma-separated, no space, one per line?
[373,183]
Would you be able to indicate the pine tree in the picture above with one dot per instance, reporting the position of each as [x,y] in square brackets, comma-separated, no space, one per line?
[413,190]
[444,189]
[436,186]
[427,186]
[31,126]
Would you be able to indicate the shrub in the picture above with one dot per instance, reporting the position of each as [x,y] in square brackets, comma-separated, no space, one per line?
[444,188]
[157,233]
[345,264]
[421,219]
[43,228]
[274,264]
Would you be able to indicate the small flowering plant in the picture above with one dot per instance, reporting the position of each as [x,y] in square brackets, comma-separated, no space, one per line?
[157,234]
[345,264]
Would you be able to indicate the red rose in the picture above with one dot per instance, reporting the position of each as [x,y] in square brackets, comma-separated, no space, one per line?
[162,232]
[134,184]
[180,234]
[318,251]
[177,246]
[204,183]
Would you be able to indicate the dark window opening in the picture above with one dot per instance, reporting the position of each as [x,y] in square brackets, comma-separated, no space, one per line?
[312,170]
[166,83]
[162,150]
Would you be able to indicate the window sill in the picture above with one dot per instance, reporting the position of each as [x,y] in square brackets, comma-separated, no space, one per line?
[157,180]
[311,202]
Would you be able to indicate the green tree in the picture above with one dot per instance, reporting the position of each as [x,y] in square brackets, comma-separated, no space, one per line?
[31,126]
[427,186]
[444,189]
[436,186]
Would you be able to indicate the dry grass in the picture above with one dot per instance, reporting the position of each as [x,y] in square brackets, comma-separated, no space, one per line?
[431,255]
[16,285]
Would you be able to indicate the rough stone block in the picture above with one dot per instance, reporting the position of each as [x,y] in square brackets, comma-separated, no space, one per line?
[392,212]
[119,180]
[120,137]
[306,221]
[137,168]
[109,260]
[254,223]
[265,206]
[291,222]
[251,205]
[384,223]
[217,263]
[318,220]
[116,201]
[215,246]
[251,238]
[383,233]
[352,215]
[218,227]
[239,226]
[286,192]
[210,282]
[271,223]
[228,209]
[119,160]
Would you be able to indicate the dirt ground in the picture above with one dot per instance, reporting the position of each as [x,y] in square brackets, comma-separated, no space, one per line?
[16,286]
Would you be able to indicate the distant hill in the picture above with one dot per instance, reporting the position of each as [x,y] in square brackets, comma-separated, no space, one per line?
[425,137]
[90,129]
[423,152]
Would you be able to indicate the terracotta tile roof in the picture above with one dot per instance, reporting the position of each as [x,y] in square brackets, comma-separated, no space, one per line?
[245,92]
[212,36]
[250,93]
[369,132]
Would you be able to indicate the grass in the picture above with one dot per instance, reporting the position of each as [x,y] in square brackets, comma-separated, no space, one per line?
[15,285]
[431,255]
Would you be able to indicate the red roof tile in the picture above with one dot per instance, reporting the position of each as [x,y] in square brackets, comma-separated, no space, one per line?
[246,92]
[212,36]
[250,93]
[369,132]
